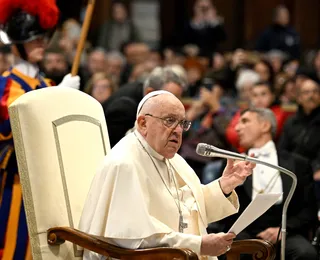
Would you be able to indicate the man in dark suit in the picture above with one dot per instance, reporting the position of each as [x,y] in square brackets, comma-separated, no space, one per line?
[256,128]
[120,109]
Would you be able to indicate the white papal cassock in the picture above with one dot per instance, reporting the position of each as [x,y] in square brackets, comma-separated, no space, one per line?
[134,207]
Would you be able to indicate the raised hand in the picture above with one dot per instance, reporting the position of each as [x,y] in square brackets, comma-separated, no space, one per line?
[235,174]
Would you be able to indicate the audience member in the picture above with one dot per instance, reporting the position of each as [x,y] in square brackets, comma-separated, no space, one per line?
[118,31]
[280,35]
[301,132]
[100,86]
[257,129]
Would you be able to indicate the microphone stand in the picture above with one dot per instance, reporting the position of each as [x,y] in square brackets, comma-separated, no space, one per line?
[287,201]
[211,151]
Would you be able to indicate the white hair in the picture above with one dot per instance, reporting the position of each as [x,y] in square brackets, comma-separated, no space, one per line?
[99,50]
[181,72]
[116,55]
[265,114]
[161,76]
[276,54]
[247,76]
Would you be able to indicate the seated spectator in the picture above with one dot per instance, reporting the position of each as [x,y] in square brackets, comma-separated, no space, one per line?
[115,63]
[237,62]
[262,96]
[265,71]
[290,67]
[288,92]
[100,86]
[195,71]
[245,81]
[97,62]
[301,132]
[135,54]
[210,116]
[171,57]
[256,129]
[277,59]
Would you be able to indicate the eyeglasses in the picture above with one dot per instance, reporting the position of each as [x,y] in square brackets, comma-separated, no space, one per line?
[172,122]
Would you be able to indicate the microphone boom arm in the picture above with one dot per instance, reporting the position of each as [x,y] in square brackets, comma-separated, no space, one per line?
[287,201]
[212,151]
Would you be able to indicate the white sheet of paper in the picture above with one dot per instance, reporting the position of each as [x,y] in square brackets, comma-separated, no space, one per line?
[255,209]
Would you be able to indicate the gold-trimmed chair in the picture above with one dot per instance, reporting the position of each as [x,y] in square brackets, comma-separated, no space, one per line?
[60,137]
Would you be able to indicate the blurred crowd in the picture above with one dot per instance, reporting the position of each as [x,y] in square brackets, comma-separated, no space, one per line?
[214,86]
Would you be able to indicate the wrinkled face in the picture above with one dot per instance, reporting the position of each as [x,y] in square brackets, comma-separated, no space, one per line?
[55,62]
[163,139]
[101,90]
[35,49]
[263,71]
[261,96]
[249,129]
[309,95]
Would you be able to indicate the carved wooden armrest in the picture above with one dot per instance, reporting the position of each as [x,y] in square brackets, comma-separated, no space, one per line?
[58,235]
[259,249]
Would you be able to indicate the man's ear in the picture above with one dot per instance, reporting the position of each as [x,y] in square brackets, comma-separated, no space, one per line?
[266,126]
[142,124]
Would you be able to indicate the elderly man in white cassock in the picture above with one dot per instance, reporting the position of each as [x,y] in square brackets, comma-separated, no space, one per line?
[146,195]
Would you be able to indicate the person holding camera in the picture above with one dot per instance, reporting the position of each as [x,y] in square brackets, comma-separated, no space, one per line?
[205,29]
[210,115]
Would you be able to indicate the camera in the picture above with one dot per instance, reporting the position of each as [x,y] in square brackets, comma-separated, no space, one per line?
[208,83]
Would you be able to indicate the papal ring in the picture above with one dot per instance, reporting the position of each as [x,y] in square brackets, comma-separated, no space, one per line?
[228,248]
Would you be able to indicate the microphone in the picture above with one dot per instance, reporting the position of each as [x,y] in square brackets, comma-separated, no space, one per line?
[212,151]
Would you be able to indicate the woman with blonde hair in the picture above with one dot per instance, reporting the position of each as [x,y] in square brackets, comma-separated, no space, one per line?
[100,86]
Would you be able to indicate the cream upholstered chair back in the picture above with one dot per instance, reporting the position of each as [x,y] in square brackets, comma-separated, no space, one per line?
[60,138]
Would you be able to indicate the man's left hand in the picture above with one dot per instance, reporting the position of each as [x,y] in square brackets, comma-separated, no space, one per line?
[270,234]
[235,174]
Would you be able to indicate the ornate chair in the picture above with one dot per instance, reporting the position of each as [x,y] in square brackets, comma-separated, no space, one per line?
[60,137]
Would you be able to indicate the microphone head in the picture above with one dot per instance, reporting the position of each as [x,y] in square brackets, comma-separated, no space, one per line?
[201,148]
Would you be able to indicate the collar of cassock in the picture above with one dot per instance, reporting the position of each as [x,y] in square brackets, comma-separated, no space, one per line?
[149,149]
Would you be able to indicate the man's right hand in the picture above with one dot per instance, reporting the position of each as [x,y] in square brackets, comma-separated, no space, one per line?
[216,244]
